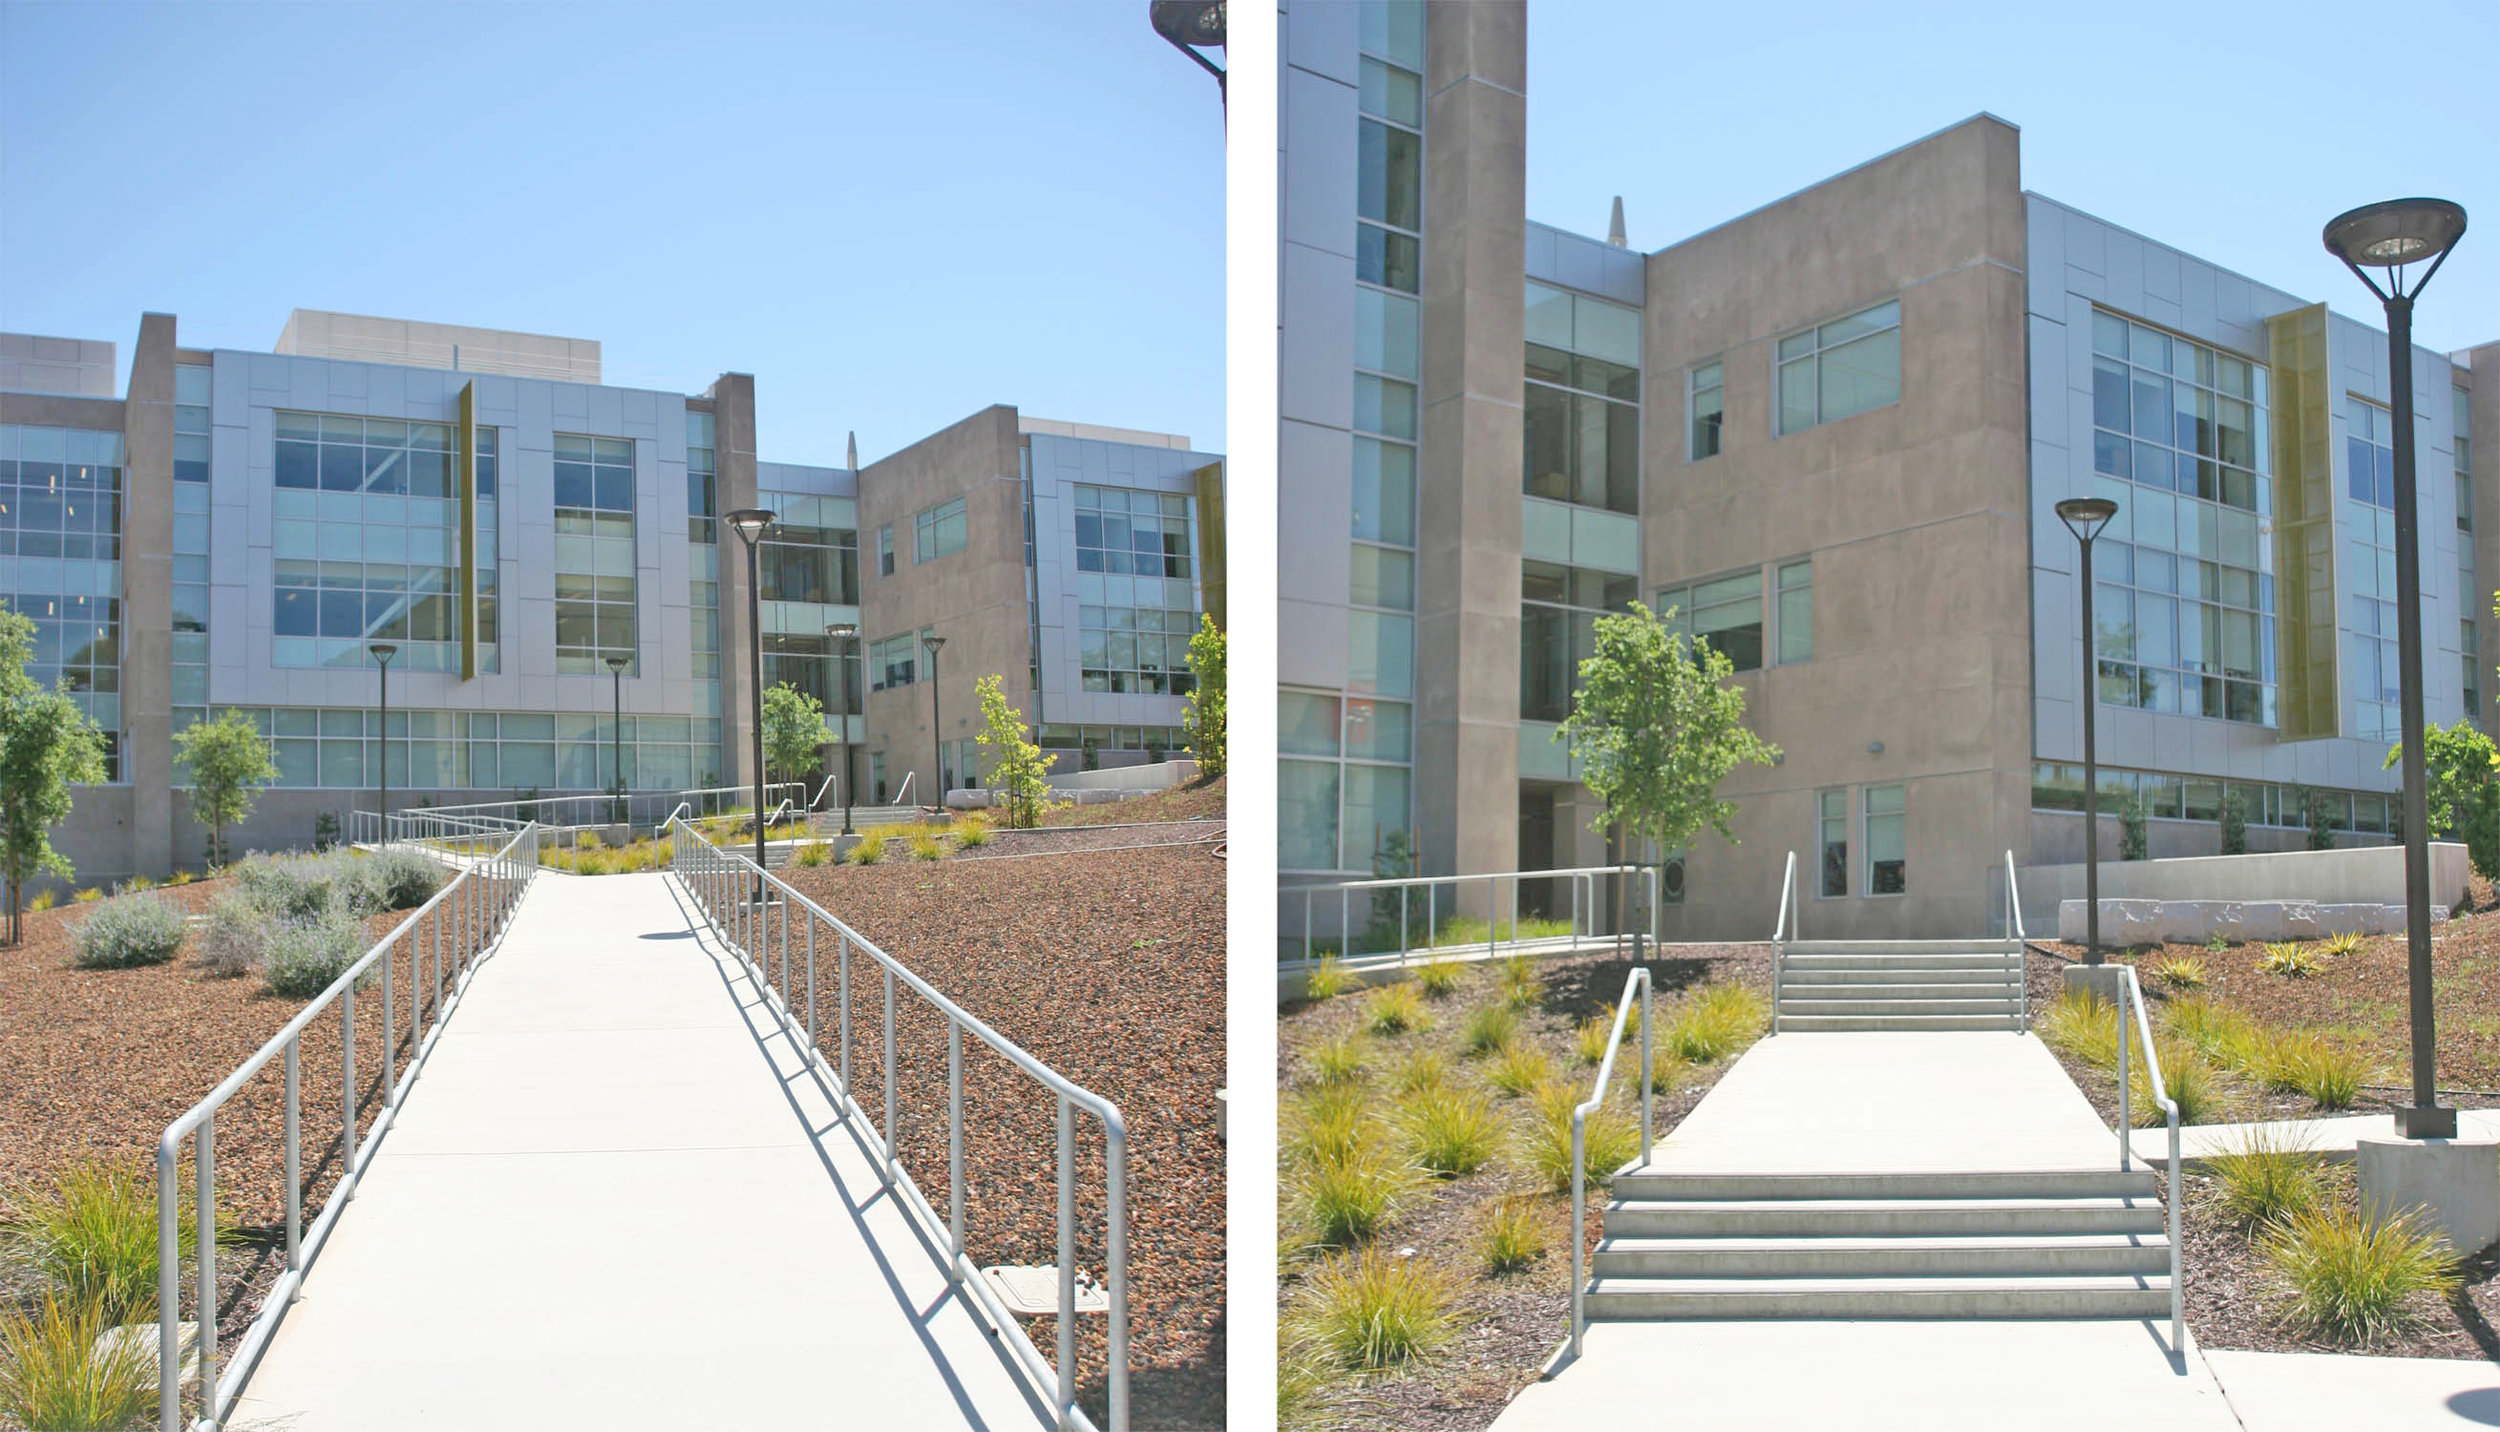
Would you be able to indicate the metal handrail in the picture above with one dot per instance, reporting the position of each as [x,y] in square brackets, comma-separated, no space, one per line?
[1637,980]
[823,786]
[1782,931]
[2131,991]
[726,886]
[903,792]
[478,904]
[2014,923]
[1580,878]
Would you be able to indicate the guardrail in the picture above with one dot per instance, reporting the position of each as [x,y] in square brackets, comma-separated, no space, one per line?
[1783,931]
[750,909]
[1582,881]
[2131,995]
[2014,924]
[472,911]
[1638,981]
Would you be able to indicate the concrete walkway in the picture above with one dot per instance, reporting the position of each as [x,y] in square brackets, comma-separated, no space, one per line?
[608,1203]
[2336,1392]
[2332,1139]
[1869,1103]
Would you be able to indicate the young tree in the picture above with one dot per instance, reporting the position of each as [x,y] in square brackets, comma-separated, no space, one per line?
[1018,769]
[1203,722]
[2131,838]
[47,745]
[2462,793]
[2234,822]
[794,728]
[229,761]
[1656,727]
[2320,820]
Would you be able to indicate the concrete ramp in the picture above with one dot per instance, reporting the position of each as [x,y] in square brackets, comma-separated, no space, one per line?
[614,1200]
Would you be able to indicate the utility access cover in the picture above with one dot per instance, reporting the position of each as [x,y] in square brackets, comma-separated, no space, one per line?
[1034,1292]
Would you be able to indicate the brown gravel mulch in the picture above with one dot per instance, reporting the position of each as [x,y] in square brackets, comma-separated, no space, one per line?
[1201,801]
[1069,839]
[99,1062]
[1108,966]
[1505,1327]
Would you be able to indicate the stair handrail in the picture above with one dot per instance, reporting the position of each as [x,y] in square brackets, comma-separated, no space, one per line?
[822,787]
[1637,980]
[2014,923]
[2131,994]
[903,791]
[1782,932]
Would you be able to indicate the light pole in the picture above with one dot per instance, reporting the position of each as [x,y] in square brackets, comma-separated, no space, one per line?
[382,652]
[751,524]
[1192,26]
[937,736]
[616,735]
[2085,517]
[2390,236]
[846,636]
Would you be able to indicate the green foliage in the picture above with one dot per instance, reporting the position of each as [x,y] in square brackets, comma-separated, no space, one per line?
[325,830]
[394,879]
[2462,794]
[1612,1138]
[301,958]
[1339,1060]
[2328,1074]
[1420,1069]
[47,746]
[56,1377]
[2083,1026]
[131,931]
[1656,726]
[2291,961]
[228,760]
[1517,978]
[1595,1033]
[2355,1279]
[285,888]
[871,846]
[927,847]
[2213,1029]
[1714,1022]
[1395,1009]
[2180,972]
[1438,978]
[2186,1077]
[1346,1198]
[2269,1179]
[1327,980]
[1202,715]
[2319,818]
[89,895]
[91,1234]
[1514,1236]
[794,730]
[2346,943]
[1520,1069]
[44,900]
[1373,1310]
[810,855]
[2131,838]
[1019,772]
[972,829]
[137,884]
[1327,1124]
[2234,822]
[1449,1130]
[1489,1028]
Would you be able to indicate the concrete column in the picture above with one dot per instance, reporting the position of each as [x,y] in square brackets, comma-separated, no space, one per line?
[1474,375]
[2483,382]
[734,486]
[147,610]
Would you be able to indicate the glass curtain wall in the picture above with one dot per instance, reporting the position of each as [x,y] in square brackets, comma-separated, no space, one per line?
[60,562]
[594,512]
[703,564]
[191,529]
[365,533]
[2371,669]
[1583,420]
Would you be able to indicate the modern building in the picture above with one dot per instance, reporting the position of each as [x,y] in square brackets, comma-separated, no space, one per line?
[237,528]
[1831,434]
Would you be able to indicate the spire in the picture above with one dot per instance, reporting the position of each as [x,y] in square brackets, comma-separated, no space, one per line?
[1614,226]
[852,453]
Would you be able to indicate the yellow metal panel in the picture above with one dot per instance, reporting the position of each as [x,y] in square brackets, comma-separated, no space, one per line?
[465,476]
[2304,525]
[1211,541]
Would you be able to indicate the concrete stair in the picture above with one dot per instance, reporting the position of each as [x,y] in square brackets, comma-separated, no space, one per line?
[2054,1243]
[1830,986]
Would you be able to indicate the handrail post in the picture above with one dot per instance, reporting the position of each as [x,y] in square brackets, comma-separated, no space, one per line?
[955,1147]
[1067,1259]
[347,1081]
[1579,1228]
[1647,1091]
[168,1290]
[1115,1254]
[890,1137]
[294,1159]
[811,983]
[2126,1122]
[204,1237]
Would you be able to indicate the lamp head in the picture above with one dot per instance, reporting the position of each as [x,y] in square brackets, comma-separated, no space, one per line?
[1198,24]
[750,522]
[2396,232]
[843,631]
[618,664]
[2086,516]
[933,643]
[383,651]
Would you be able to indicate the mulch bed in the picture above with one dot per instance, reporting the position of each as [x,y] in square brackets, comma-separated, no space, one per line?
[1108,966]
[1506,1327]
[1065,840]
[99,1062]
[1191,802]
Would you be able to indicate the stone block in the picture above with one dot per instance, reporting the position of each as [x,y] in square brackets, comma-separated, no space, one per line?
[2123,922]
[2454,1182]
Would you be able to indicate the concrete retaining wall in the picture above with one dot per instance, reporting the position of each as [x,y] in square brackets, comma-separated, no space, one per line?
[2361,875]
[2192,922]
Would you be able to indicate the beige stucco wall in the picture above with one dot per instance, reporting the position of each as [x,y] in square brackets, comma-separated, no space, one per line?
[2483,381]
[974,598]
[1913,514]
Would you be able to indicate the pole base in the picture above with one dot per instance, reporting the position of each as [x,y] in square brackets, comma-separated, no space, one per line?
[2426,1121]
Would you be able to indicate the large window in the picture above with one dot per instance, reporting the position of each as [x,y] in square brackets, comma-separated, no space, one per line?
[594,571]
[1582,428]
[2370,663]
[1840,368]
[938,532]
[1124,531]
[703,563]
[2185,603]
[893,661]
[1558,611]
[1729,613]
[1887,862]
[1344,783]
[365,542]
[799,563]
[1129,649]
[1831,823]
[2058,785]
[1389,147]
[1708,405]
[60,562]
[478,750]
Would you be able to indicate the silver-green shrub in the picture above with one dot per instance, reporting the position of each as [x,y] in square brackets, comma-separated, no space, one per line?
[388,880]
[302,957]
[229,941]
[131,931]
[286,887]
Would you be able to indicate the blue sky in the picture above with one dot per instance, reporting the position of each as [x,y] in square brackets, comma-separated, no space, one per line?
[2232,131]
[893,215]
